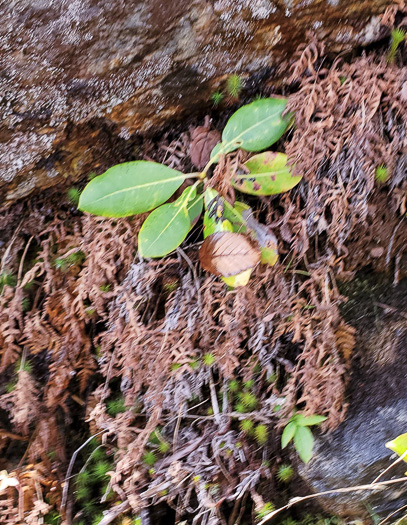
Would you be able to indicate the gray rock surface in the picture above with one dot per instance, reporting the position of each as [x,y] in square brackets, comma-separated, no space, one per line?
[355,454]
[79,77]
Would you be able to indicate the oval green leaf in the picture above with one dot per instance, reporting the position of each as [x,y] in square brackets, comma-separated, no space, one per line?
[254,127]
[288,434]
[268,174]
[166,227]
[304,442]
[306,421]
[130,188]
[195,206]
[398,445]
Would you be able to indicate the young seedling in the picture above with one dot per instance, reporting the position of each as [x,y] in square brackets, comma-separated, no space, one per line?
[298,429]
[234,245]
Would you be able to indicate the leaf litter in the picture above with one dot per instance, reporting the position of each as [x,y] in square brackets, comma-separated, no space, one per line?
[189,358]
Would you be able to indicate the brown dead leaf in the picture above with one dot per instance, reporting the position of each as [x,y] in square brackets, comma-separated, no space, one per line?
[227,253]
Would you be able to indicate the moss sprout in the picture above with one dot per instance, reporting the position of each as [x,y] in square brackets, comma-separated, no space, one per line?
[285,473]
[397,37]
[261,434]
[234,85]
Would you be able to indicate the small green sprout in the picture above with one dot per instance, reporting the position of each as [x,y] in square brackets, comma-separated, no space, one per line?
[381,174]
[208,359]
[298,429]
[10,386]
[25,304]
[265,510]
[195,364]
[246,425]
[64,263]
[149,458]
[397,37]
[285,473]
[7,279]
[261,434]
[82,493]
[175,366]
[116,406]
[239,407]
[24,364]
[217,98]
[104,287]
[164,447]
[234,85]
[83,478]
[73,195]
[100,469]
[248,400]
[233,385]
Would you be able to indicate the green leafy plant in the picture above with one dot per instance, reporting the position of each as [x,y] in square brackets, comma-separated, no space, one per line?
[234,85]
[298,429]
[397,37]
[141,186]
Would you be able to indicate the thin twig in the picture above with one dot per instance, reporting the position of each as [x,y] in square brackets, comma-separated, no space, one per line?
[69,471]
[214,400]
[114,512]
[390,247]
[196,280]
[8,249]
[294,501]
[390,466]
[392,514]
[20,268]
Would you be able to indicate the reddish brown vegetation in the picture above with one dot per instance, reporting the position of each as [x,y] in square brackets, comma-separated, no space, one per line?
[107,324]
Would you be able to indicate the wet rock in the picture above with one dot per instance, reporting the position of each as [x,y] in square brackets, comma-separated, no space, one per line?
[79,77]
[355,454]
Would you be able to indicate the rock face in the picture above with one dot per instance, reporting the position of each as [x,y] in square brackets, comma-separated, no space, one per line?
[79,77]
[355,454]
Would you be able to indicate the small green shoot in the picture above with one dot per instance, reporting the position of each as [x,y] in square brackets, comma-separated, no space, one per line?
[7,279]
[100,469]
[116,406]
[246,425]
[285,473]
[297,428]
[73,195]
[248,400]
[208,359]
[234,86]
[217,98]
[73,259]
[261,434]
[265,511]
[149,458]
[381,174]
[397,37]
[233,385]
